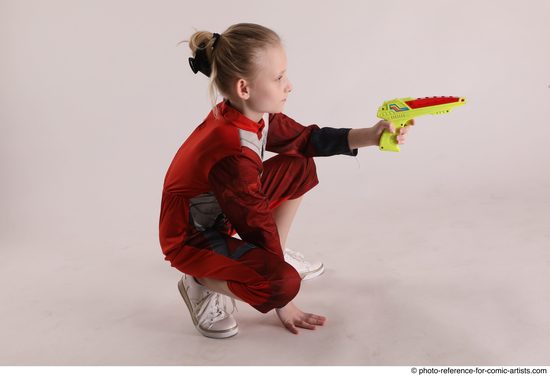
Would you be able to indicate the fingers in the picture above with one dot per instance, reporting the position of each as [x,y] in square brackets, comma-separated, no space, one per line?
[392,128]
[389,126]
[305,325]
[405,129]
[291,328]
[316,319]
[309,321]
[403,132]
[401,137]
[310,318]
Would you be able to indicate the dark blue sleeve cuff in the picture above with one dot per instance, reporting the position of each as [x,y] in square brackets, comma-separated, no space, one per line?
[329,141]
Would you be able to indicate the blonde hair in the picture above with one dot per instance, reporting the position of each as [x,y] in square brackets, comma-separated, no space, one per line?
[234,57]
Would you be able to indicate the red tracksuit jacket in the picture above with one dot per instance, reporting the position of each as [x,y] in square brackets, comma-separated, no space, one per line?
[218,167]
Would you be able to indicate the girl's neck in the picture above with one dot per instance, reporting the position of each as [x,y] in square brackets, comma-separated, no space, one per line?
[243,109]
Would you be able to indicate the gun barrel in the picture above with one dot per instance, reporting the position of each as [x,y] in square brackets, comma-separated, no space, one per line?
[408,108]
[433,101]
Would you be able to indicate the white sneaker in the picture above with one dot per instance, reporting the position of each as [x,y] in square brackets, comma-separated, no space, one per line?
[210,319]
[306,269]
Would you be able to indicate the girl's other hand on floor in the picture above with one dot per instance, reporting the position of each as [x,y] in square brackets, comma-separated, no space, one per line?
[292,317]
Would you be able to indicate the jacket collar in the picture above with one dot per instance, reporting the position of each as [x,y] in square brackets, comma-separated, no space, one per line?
[234,116]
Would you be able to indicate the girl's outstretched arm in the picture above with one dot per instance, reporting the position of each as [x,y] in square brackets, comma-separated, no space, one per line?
[287,136]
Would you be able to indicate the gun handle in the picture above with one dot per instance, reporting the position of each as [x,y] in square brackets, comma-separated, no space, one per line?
[388,140]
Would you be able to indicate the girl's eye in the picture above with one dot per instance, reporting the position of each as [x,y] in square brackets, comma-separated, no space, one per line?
[280,78]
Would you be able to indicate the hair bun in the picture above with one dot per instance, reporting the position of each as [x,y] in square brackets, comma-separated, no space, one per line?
[200,62]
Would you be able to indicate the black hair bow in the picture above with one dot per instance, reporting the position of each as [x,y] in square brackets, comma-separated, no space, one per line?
[200,62]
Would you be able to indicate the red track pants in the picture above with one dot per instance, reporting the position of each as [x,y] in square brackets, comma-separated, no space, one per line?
[255,275]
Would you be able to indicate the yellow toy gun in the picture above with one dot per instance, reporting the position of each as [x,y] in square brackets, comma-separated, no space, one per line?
[400,111]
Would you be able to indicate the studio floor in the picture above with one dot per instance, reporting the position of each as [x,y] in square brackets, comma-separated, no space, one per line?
[456,282]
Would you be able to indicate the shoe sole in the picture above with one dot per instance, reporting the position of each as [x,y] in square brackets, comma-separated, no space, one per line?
[205,332]
[313,274]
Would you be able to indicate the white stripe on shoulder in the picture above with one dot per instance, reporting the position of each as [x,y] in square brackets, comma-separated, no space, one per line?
[250,139]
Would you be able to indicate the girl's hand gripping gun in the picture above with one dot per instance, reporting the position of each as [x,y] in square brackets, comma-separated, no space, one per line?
[400,110]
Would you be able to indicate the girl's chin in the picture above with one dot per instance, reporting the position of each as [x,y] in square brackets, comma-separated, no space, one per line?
[278,108]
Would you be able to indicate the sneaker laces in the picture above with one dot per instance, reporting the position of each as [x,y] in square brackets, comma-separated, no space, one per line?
[210,304]
[295,254]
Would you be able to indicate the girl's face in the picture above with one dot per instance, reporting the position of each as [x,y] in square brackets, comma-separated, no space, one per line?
[269,91]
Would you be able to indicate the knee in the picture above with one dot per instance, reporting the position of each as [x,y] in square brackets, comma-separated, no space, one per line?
[306,165]
[307,173]
[305,170]
[310,170]
[285,285]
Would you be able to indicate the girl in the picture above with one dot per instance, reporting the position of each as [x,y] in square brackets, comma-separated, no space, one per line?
[218,185]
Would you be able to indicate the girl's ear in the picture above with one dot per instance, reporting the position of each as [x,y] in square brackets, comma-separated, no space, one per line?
[243,90]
